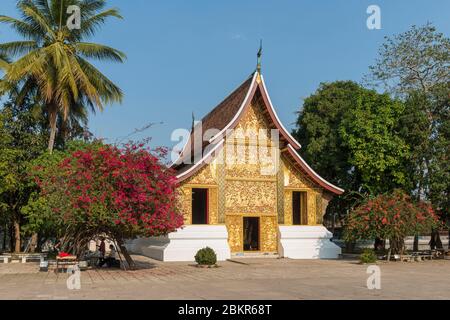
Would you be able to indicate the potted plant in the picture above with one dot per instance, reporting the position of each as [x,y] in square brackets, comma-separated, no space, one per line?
[206,257]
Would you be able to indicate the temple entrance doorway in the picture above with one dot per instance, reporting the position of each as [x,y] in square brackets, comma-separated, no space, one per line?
[251,234]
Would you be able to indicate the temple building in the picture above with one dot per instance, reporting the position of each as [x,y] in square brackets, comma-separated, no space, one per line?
[246,207]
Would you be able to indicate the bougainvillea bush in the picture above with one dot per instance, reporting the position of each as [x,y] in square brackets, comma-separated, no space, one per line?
[390,216]
[102,189]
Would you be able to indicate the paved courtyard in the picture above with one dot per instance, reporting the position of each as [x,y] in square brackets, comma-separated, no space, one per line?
[264,279]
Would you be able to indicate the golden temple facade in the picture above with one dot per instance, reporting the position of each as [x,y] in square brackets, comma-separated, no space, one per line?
[230,186]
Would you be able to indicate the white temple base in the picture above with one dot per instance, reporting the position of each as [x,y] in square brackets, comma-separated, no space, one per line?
[307,242]
[184,244]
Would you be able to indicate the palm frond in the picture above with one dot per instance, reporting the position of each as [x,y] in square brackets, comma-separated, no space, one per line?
[17,47]
[90,25]
[36,19]
[4,61]
[22,27]
[99,52]
[107,90]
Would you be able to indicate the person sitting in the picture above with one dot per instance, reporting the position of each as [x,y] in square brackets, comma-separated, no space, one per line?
[110,259]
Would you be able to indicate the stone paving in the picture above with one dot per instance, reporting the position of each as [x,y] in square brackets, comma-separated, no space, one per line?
[260,279]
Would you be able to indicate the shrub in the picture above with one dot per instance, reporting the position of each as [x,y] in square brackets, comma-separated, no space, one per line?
[206,257]
[392,217]
[368,256]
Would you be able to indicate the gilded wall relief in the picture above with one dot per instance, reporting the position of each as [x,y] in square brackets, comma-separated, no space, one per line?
[244,148]
[294,178]
[312,208]
[252,168]
[213,213]
[254,118]
[269,234]
[246,197]
[288,207]
[221,192]
[280,197]
[185,202]
[235,233]
[206,176]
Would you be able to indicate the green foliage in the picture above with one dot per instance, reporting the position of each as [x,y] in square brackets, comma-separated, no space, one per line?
[52,63]
[349,135]
[368,256]
[390,216]
[206,257]
[415,60]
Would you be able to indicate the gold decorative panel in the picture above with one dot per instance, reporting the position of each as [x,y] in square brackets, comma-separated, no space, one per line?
[319,215]
[254,166]
[288,207]
[206,176]
[257,197]
[253,119]
[312,208]
[185,198]
[221,193]
[269,234]
[295,178]
[235,233]
[280,196]
[213,213]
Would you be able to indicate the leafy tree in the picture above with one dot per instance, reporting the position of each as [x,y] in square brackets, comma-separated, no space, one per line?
[101,189]
[53,66]
[390,216]
[415,60]
[416,66]
[349,135]
[21,140]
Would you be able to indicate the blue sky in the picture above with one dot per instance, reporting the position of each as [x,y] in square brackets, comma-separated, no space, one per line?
[186,56]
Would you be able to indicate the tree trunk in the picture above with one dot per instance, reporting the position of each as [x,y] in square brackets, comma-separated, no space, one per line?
[11,236]
[416,243]
[380,244]
[53,117]
[397,245]
[435,242]
[34,242]
[449,238]
[17,247]
[349,247]
[126,255]
[5,231]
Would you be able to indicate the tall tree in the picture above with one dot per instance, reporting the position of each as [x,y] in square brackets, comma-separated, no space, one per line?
[417,59]
[22,139]
[415,65]
[349,135]
[53,61]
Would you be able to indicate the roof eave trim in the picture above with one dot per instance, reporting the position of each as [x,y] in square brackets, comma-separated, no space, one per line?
[280,124]
[324,183]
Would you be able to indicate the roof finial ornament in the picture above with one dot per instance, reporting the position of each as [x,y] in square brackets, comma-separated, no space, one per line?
[260,52]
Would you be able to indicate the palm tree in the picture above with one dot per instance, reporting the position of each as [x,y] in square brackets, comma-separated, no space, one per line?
[53,61]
